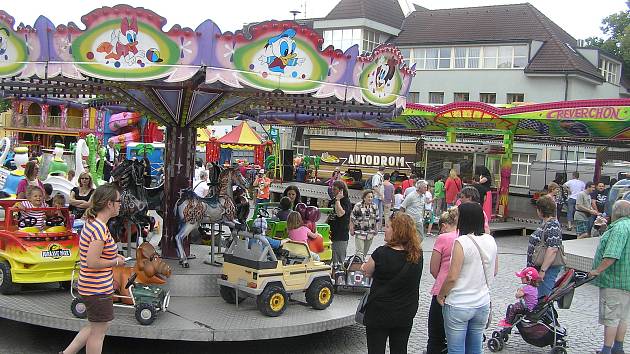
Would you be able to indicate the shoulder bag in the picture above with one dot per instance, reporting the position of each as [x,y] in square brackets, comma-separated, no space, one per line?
[540,250]
[359,316]
[485,275]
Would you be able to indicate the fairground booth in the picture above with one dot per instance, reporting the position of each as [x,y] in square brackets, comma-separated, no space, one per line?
[241,145]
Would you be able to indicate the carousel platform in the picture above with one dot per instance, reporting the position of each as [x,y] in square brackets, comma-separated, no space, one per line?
[196,311]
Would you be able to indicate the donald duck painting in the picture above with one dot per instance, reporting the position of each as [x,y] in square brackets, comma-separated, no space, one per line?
[282,48]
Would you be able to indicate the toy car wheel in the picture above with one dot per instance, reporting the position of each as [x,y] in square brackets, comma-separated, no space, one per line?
[273,301]
[78,308]
[145,314]
[229,295]
[65,285]
[558,350]
[494,345]
[7,286]
[319,294]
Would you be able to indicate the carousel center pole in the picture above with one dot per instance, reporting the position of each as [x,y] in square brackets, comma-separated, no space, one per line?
[179,165]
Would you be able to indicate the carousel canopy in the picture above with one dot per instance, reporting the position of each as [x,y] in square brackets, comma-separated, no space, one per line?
[241,135]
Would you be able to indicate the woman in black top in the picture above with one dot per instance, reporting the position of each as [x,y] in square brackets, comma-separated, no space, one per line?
[339,221]
[293,193]
[80,196]
[393,300]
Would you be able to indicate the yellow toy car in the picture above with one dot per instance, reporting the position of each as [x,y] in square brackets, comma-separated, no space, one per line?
[248,272]
[29,255]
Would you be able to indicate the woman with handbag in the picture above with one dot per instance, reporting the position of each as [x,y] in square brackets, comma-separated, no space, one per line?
[395,269]
[545,251]
[465,295]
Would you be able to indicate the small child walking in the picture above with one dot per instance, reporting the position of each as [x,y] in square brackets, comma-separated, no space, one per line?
[527,295]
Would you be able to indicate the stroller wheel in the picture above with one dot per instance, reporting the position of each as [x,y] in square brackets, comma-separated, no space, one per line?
[496,334]
[505,337]
[495,345]
[558,350]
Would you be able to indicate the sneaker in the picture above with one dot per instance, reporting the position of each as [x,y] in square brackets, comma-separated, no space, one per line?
[504,323]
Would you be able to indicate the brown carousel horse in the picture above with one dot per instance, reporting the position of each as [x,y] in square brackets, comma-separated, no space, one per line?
[219,208]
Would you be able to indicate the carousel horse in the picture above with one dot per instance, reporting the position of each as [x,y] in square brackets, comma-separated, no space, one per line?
[219,208]
[128,176]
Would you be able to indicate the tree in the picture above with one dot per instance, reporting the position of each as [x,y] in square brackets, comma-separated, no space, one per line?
[5,105]
[617,28]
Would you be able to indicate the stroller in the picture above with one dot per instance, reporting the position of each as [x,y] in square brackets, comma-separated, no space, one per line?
[350,276]
[540,326]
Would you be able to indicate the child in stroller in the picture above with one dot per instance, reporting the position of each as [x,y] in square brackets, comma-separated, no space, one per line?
[527,295]
[540,326]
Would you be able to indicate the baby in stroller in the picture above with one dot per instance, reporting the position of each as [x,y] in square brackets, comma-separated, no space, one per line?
[539,326]
[527,295]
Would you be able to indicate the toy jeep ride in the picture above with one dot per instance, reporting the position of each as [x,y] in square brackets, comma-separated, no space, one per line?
[147,300]
[248,272]
[30,255]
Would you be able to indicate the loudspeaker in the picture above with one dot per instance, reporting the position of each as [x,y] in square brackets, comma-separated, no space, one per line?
[299,134]
[287,173]
[287,157]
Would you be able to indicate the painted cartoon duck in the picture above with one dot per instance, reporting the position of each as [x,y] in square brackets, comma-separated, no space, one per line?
[283,54]
[123,42]
[4,40]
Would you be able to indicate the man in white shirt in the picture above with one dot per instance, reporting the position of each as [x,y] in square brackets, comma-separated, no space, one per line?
[413,205]
[575,186]
[201,188]
[379,191]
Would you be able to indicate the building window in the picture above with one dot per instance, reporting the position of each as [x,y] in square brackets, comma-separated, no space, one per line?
[490,57]
[609,70]
[413,97]
[488,98]
[436,97]
[487,57]
[520,169]
[370,40]
[343,38]
[461,97]
[515,97]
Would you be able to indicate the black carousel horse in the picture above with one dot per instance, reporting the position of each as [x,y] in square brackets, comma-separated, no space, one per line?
[136,199]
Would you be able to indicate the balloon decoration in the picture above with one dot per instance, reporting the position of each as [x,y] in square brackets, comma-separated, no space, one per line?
[312,213]
[316,244]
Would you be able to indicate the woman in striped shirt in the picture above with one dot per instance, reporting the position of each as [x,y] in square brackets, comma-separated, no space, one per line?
[98,254]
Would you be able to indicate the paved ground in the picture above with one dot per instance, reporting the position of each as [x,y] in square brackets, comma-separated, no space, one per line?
[581,320]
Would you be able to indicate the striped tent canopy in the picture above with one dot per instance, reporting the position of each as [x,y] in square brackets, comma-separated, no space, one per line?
[240,137]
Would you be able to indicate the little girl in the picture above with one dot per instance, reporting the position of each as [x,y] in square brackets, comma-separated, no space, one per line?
[35,199]
[527,295]
[297,231]
[398,198]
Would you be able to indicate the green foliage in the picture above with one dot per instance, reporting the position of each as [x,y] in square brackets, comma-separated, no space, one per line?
[616,27]
[5,105]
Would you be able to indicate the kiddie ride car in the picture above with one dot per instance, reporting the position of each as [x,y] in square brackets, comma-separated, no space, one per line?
[310,214]
[146,298]
[30,255]
[252,269]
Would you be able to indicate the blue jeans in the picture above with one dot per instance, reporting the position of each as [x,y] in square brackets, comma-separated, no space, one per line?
[570,209]
[549,281]
[379,207]
[464,328]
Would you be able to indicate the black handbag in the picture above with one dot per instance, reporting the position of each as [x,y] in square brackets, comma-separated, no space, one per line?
[359,316]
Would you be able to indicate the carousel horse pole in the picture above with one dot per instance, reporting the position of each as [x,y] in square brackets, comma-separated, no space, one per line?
[220,208]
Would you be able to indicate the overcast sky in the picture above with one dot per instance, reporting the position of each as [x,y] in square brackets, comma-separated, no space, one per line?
[581,18]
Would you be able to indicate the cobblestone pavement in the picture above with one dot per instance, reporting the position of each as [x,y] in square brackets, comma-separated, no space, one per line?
[584,334]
